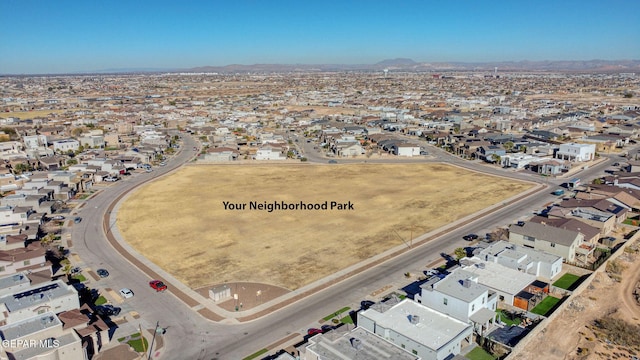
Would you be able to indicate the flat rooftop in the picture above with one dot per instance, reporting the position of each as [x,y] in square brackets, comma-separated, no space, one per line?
[499,277]
[369,346]
[13,280]
[432,329]
[30,326]
[504,248]
[33,352]
[35,295]
[461,284]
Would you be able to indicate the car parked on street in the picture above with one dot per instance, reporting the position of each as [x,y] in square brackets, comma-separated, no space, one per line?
[314,331]
[365,304]
[57,217]
[77,220]
[107,310]
[103,273]
[470,237]
[157,285]
[126,293]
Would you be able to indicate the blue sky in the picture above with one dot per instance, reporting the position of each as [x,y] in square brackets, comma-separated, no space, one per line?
[68,36]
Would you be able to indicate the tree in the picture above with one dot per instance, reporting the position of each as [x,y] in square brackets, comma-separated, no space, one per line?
[20,168]
[496,158]
[72,162]
[77,132]
[508,146]
[460,253]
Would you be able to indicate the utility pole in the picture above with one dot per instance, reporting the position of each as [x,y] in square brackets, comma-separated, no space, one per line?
[152,340]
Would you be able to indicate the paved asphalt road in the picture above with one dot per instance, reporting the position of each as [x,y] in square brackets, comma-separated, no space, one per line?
[189,336]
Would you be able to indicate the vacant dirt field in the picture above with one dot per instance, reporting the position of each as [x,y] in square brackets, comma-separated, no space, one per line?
[572,336]
[180,223]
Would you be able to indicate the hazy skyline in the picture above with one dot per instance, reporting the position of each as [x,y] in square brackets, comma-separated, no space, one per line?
[72,36]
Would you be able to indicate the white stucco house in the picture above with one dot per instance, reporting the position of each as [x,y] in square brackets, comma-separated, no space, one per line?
[576,152]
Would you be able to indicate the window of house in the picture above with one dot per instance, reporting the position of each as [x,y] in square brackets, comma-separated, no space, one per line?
[501,298]
[483,299]
[402,345]
[473,307]
[415,352]
[27,262]
[1,268]
[444,301]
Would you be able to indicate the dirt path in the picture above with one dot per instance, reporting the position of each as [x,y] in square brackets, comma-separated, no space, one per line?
[570,336]
[625,291]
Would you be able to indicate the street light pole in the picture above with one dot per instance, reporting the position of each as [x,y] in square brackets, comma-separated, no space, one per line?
[153,339]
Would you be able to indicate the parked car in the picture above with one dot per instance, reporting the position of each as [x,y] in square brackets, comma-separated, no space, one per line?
[57,217]
[314,331]
[107,310]
[157,285]
[126,293]
[102,273]
[365,304]
[326,328]
[77,220]
[431,272]
[470,237]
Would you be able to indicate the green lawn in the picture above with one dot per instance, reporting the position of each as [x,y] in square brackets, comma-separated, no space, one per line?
[347,320]
[79,277]
[479,354]
[547,304]
[101,300]
[506,320]
[566,281]
[136,344]
[335,314]
[255,355]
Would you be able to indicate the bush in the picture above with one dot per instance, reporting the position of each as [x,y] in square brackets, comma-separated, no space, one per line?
[619,331]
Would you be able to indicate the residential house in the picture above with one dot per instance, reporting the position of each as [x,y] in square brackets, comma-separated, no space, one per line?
[45,331]
[547,238]
[530,261]
[424,332]
[576,152]
[91,329]
[63,146]
[353,344]
[461,296]
[504,281]
[55,296]
[602,205]
[591,233]
[269,153]
[490,153]
[17,257]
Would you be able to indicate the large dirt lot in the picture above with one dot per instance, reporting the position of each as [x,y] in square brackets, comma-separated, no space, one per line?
[574,335]
[180,223]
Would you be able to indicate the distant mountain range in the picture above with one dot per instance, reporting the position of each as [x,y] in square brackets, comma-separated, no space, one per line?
[403,64]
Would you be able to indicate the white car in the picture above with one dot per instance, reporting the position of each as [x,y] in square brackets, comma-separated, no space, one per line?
[126,293]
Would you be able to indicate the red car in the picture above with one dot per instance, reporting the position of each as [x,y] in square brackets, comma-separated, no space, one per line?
[157,285]
[314,331]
